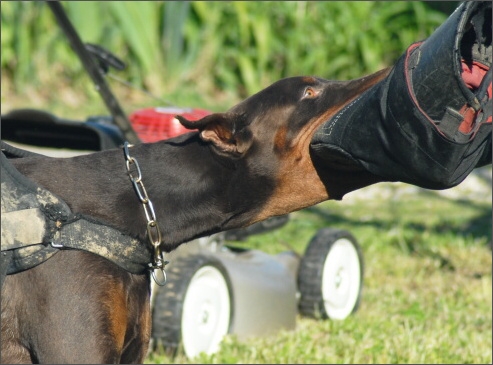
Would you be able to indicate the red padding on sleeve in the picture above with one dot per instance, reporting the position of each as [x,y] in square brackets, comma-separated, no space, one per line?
[472,74]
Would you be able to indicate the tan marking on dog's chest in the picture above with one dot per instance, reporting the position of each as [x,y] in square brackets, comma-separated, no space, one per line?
[116,304]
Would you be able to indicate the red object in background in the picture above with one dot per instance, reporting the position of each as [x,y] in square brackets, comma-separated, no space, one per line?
[155,124]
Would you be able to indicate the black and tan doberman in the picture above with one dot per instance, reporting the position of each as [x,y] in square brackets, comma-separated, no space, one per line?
[242,166]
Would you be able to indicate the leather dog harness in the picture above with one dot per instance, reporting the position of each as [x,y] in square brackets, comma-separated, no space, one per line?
[36,224]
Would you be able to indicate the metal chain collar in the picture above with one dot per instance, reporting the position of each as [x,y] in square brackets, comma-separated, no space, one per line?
[153,231]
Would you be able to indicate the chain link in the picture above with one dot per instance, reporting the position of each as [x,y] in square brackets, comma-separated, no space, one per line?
[153,231]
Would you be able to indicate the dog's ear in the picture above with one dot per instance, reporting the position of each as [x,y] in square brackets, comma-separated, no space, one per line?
[224,130]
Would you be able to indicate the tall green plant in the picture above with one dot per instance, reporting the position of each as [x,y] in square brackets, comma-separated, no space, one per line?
[211,46]
[139,24]
[175,14]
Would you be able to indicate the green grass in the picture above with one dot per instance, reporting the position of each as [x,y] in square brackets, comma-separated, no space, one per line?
[427,294]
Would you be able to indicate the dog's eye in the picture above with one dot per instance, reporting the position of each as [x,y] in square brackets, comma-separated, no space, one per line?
[309,93]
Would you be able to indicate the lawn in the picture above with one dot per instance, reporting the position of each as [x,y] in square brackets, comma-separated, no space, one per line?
[427,294]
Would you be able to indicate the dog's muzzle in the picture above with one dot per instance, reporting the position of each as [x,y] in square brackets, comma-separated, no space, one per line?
[428,123]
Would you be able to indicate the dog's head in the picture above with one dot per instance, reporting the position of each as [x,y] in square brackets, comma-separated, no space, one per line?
[271,132]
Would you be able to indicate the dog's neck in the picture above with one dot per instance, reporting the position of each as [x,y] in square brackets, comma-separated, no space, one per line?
[193,193]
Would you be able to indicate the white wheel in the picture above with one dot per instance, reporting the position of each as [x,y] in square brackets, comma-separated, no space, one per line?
[193,310]
[206,312]
[341,279]
[330,276]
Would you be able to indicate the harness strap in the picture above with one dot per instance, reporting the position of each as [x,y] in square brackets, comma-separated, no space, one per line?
[14,233]
[26,252]
[30,213]
[14,152]
[27,257]
[121,249]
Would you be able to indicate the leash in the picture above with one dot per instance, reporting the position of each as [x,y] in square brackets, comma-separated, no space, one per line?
[153,231]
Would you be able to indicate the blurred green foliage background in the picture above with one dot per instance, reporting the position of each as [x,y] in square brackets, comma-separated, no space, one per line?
[209,47]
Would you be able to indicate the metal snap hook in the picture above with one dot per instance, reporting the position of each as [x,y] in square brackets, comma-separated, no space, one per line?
[160,277]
